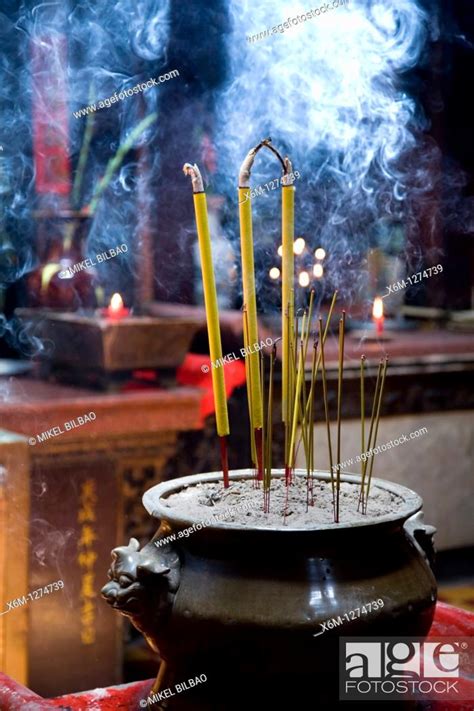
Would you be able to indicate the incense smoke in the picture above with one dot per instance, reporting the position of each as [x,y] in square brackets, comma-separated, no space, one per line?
[332,92]
[97,48]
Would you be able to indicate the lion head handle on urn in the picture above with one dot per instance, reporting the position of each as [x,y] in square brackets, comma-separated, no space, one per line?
[143,584]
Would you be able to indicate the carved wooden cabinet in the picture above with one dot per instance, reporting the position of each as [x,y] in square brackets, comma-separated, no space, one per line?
[82,482]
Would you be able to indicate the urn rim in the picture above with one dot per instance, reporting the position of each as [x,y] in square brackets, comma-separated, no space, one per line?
[152,501]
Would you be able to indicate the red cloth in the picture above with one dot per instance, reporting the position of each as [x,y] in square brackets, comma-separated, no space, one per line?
[50,115]
[196,371]
[448,622]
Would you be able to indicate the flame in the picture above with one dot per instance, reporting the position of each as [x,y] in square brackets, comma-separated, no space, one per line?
[377,311]
[116,303]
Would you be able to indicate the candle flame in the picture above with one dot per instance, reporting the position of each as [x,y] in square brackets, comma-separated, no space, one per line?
[116,302]
[377,311]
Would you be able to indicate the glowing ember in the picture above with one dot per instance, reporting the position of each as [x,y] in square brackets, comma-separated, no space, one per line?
[274,273]
[318,271]
[320,253]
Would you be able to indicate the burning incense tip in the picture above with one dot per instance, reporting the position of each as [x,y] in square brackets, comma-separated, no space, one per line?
[246,167]
[196,178]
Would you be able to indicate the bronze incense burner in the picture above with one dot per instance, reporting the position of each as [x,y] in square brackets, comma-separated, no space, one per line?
[244,604]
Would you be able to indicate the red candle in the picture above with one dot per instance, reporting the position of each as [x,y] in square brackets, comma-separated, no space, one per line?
[377,315]
[116,310]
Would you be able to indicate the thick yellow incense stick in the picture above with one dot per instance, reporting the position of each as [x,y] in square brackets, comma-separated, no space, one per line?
[210,301]
[253,452]
[288,275]
[250,301]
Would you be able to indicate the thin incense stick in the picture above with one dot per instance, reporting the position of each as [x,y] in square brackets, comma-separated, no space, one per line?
[310,499]
[212,312]
[326,328]
[261,463]
[305,434]
[371,429]
[115,162]
[339,409]
[376,432]
[308,325]
[83,155]
[297,395]
[362,410]
[268,455]
[326,409]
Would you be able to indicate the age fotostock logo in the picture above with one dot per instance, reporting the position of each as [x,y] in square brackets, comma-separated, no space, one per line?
[399,667]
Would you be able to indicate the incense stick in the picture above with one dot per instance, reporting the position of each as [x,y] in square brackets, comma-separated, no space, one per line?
[326,328]
[268,454]
[84,153]
[286,402]
[261,463]
[362,410]
[326,409]
[248,376]
[339,408]
[311,429]
[116,161]
[297,395]
[364,506]
[371,428]
[211,309]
